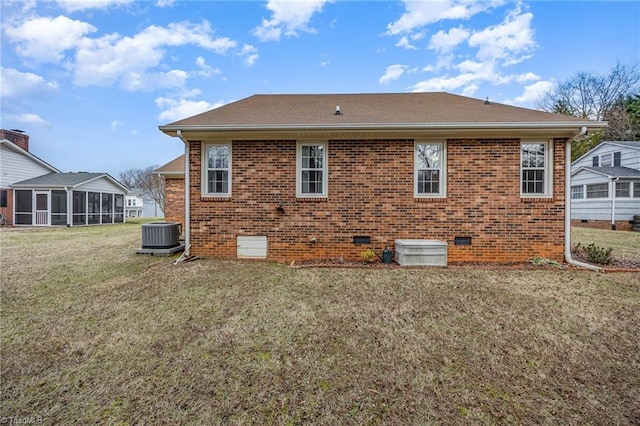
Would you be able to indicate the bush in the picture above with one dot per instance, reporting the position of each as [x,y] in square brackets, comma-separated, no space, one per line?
[597,254]
[368,255]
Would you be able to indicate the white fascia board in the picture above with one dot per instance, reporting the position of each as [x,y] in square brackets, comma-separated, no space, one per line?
[562,125]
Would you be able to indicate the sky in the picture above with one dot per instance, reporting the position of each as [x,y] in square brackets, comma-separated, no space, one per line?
[90,81]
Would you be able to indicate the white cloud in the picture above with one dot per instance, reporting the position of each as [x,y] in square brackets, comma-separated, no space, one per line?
[178,109]
[112,58]
[76,5]
[393,72]
[30,119]
[506,40]
[288,17]
[165,3]
[205,69]
[529,76]
[447,41]
[46,39]
[421,13]
[115,125]
[17,85]
[532,93]
[250,54]
[149,81]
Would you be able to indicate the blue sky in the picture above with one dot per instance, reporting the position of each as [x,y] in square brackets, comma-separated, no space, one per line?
[90,81]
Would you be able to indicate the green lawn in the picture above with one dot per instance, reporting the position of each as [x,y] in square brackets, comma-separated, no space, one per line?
[92,333]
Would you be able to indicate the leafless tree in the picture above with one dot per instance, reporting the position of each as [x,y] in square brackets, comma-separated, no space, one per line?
[596,97]
[589,95]
[152,185]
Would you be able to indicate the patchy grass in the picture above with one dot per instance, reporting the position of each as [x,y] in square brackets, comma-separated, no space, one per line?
[625,244]
[93,333]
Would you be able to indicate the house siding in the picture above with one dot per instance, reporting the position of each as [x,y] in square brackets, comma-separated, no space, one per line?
[370,193]
[16,167]
[597,211]
[630,156]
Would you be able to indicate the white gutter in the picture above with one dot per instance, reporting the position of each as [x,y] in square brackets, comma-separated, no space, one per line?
[567,204]
[387,126]
[613,203]
[187,197]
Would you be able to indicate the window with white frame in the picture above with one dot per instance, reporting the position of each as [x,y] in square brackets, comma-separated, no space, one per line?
[429,169]
[605,160]
[623,189]
[598,190]
[311,173]
[217,170]
[636,189]
[577,192]
[535,166]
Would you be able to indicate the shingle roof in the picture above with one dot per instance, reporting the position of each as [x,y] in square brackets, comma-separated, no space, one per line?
[363,109]
[615,172]
[173,167]
[633,144]
[59,180]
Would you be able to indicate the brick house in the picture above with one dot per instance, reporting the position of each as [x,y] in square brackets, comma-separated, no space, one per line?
[173,175]
[291,177]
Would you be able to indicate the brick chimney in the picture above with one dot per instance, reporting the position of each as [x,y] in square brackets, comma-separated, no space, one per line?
[16,136]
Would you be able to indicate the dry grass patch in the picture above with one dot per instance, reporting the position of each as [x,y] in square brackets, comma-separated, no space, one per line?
[92,333]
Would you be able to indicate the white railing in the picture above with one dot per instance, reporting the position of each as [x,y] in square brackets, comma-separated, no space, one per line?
[42,218]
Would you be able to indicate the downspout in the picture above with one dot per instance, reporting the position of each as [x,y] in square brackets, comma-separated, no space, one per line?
[613,203]
[187,197]
[69,206]
[567,204]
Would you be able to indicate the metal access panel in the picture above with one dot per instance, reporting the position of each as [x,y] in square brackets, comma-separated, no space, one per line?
[252,247]
[421,252]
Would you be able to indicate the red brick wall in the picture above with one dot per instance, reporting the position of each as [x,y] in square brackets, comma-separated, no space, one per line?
[7,212]
[371,193]
[174,200]
[20,139]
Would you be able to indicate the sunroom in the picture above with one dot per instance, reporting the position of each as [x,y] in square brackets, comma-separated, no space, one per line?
[69,199]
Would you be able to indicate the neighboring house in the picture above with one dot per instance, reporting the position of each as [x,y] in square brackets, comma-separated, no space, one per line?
[70,199]
[134,203]
[32,192]
[139,204]
[16,164]
[173,174]
[605,185]
[289,177]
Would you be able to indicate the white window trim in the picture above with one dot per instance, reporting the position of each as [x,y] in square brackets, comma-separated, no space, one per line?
[443,168]
[548,169]
[204,169]
[325,168]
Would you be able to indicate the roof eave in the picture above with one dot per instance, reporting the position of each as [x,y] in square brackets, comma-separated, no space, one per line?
[568,126]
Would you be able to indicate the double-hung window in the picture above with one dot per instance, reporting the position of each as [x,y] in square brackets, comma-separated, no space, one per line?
[217,170]
[577,192]
[429,169]
[535,169]
[311,173]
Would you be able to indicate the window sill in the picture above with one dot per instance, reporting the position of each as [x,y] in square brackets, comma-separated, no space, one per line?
[303,199]
[211,198]
[430,199]
[533,199]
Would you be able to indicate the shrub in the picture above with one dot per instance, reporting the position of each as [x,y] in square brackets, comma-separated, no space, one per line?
[367,255]
[597,254]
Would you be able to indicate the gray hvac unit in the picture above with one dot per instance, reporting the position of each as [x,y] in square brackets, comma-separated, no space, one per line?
[160,235]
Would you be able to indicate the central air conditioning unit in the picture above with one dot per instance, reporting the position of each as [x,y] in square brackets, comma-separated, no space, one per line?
[160,235]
